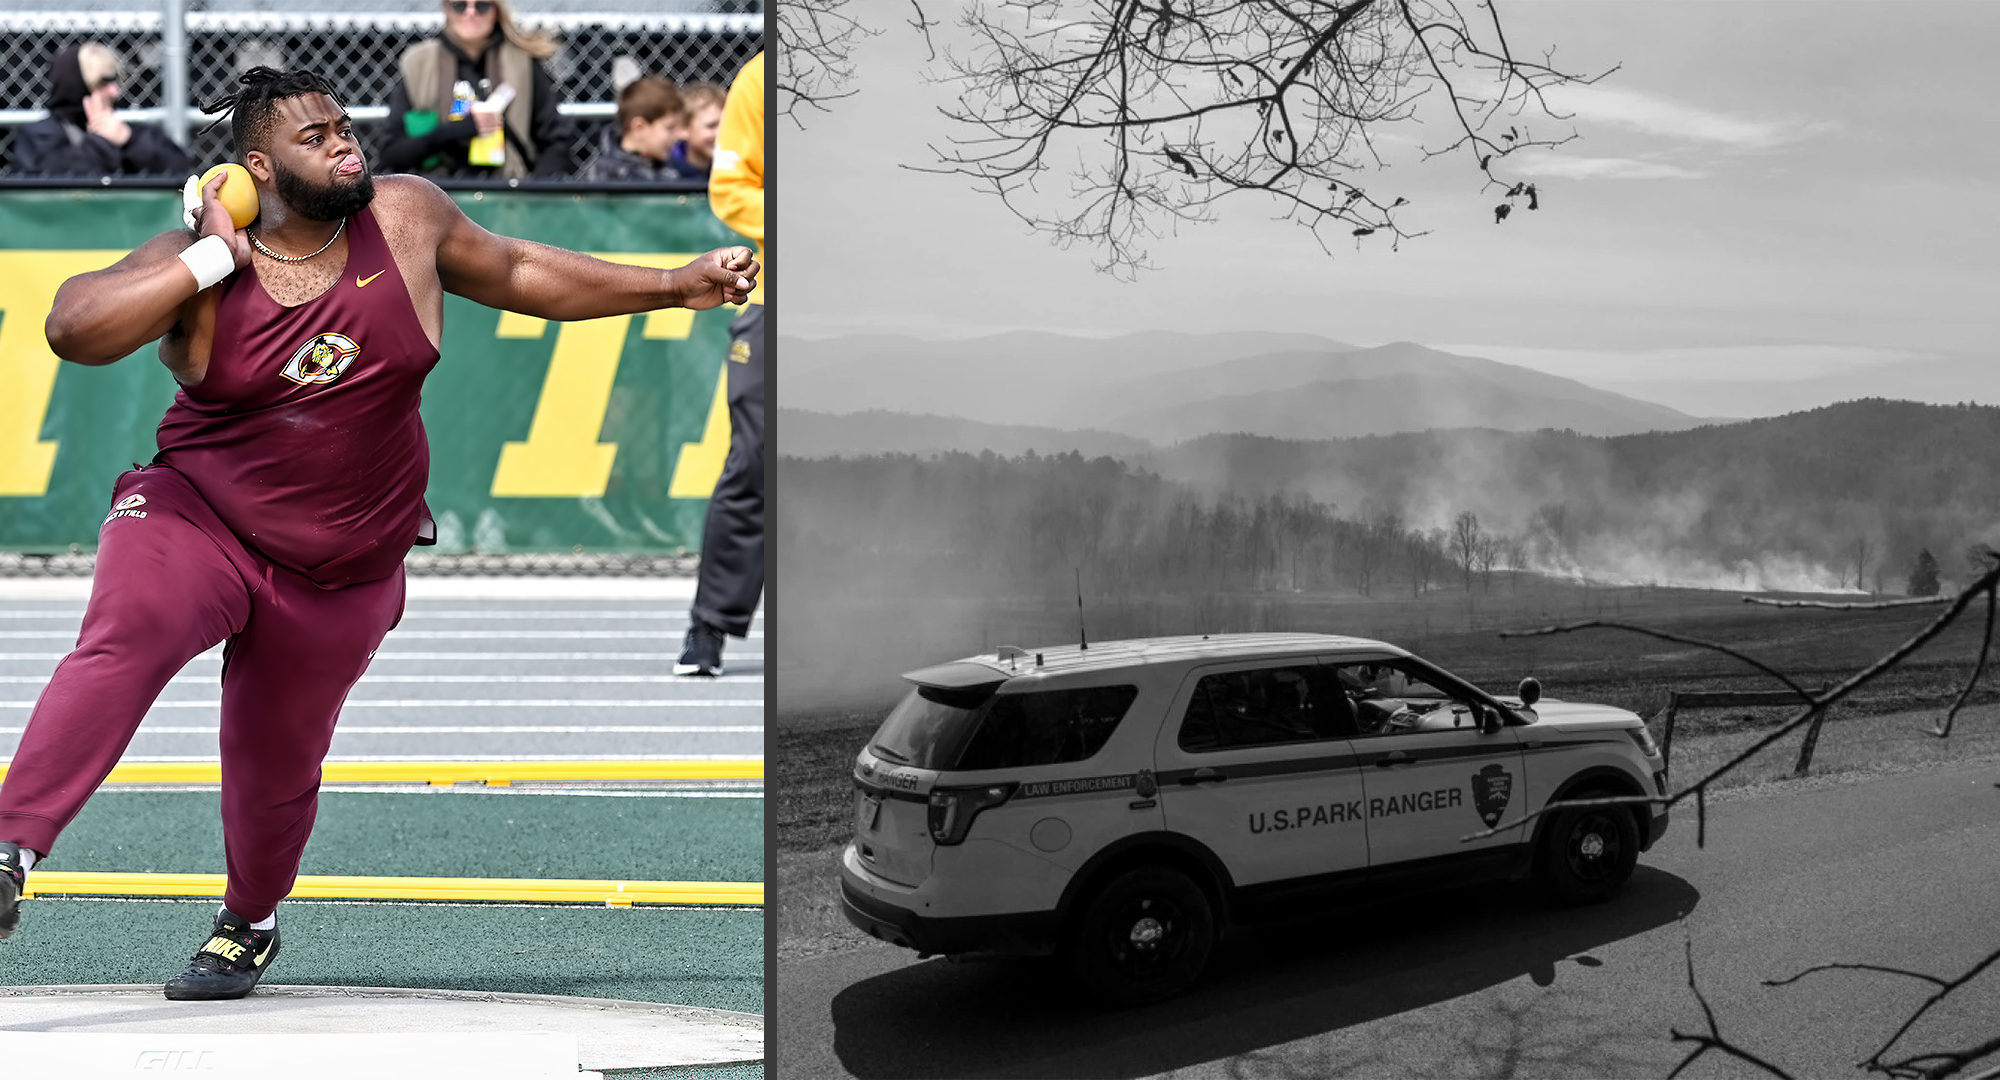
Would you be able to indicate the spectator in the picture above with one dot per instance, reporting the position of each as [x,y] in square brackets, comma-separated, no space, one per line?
[649,120]
[82,135]
[481,46]
[694,154]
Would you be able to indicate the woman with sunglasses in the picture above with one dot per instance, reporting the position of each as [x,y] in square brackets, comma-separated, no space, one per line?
[82,135]
[482,48]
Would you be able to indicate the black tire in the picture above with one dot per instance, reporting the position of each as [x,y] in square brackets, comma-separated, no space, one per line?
[1142,937]
[1588,853]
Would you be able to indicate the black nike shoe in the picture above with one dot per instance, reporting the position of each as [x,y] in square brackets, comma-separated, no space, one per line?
[13,882]
[701,650]
[228,965]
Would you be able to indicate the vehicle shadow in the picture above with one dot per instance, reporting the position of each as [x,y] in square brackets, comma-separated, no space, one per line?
[1265,986]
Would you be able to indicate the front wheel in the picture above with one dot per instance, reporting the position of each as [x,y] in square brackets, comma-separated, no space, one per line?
[1588,853]
[1143,937]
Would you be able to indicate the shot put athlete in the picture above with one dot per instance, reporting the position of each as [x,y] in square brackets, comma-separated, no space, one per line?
[289,482]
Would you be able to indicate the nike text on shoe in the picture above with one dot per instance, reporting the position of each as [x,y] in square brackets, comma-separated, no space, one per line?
[701,650]
[13,881]
[228,964]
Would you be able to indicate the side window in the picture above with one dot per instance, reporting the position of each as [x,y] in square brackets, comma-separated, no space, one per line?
[1391,699]
[1264,707]
[1047,728]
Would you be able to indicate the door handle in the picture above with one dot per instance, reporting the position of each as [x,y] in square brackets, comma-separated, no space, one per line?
[1202,776]
[1394,757]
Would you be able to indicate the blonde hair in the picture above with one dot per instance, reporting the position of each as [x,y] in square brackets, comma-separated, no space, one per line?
[97,63]
[540,44]
[702,94]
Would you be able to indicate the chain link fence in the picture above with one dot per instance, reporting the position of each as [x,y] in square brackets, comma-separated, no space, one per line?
[356,44]
[357,51]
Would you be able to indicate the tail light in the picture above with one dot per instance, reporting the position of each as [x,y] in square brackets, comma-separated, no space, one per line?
[952,809]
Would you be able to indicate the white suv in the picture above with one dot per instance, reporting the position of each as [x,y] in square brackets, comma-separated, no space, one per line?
[1122,804]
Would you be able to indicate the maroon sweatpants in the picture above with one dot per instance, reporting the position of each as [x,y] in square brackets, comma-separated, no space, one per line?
[171,582]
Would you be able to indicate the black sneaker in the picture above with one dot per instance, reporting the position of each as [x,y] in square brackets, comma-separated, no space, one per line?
[13,881]
[228,965]
[701,650]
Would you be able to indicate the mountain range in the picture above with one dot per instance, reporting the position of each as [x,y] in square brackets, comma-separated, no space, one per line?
[1050,392]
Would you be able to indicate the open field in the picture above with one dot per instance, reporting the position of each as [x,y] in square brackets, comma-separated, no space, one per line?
[848,650]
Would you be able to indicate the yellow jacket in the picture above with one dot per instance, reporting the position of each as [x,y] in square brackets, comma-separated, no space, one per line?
[736,184]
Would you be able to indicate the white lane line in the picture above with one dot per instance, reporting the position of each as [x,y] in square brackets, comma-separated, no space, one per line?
[216,653]
[481,703]
[441,635]
[457,789]
[491,729]
[128,758]
[537,635]
[648,909]
[688,681]
[602,613]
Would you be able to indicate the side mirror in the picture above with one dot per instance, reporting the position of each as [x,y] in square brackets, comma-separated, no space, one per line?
[1489,720]
[1531,691]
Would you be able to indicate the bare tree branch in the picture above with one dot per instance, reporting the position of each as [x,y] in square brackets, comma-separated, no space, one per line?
[1156,110]
[1943,729]
[923,26]
[1816,704]
[1612,624]
[816,40]
[1713,1039]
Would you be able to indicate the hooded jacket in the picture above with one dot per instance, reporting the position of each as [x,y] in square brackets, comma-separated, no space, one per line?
[62,144]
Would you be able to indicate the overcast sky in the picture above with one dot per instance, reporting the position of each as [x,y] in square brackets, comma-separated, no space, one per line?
[1763,191]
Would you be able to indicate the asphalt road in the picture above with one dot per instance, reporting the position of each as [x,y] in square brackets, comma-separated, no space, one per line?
[479,668]
[1900,870]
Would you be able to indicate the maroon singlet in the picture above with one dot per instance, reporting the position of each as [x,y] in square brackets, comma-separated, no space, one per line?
[304,434]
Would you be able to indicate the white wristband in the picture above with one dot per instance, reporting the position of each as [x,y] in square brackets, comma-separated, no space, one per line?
[210,259]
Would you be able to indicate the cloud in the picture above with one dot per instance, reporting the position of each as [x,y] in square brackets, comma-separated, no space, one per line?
[1607,168]
[1651,114]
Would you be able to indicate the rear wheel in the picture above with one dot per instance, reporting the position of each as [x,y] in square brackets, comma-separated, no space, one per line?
[1588,853]
[1143,937]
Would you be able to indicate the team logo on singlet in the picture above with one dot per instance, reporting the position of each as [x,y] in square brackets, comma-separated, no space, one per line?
[321,359]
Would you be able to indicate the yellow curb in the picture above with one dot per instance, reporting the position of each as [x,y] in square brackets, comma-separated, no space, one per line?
[533,890]
[443,773]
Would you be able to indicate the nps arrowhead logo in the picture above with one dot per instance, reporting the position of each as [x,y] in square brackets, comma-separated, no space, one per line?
[1491,788]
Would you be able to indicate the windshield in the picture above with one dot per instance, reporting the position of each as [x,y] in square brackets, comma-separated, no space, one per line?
[929,727]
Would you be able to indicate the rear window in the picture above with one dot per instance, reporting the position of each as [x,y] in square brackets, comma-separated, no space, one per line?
[966,729]
[1047,728]
[929,726]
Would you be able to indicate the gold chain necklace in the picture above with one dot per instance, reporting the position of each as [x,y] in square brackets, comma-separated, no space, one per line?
[259,244]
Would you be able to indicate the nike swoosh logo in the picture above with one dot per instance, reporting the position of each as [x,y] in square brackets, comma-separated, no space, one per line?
[362,282]
[259,961]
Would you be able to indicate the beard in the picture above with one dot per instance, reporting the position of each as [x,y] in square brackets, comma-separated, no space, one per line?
[333,201]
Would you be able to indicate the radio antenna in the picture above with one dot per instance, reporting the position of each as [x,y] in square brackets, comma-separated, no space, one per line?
[1083,637]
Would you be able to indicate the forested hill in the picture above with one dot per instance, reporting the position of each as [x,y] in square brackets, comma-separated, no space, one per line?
[1809,500]
[1872,459]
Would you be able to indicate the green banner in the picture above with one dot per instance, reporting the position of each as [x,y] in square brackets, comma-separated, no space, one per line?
[598,436]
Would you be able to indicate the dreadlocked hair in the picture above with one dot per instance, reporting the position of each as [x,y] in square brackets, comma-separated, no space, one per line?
[253,109]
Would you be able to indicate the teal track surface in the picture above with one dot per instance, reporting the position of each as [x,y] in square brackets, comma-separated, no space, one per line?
[712,958]
[443,833]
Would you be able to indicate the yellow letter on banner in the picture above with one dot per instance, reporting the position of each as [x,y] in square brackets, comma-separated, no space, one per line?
[28,283]
[561,457]
[700,463]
